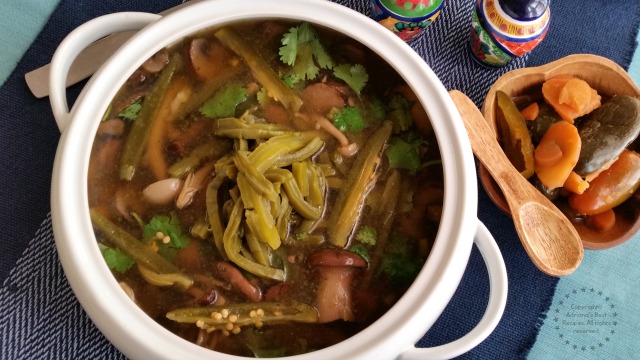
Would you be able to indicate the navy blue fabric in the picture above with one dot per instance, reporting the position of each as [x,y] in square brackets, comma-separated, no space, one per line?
[33,285]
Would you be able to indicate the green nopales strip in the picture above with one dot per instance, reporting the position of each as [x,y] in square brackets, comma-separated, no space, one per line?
[272,313]
[133,247]
[137,140]
[359,179]
[276,88]
[233,247]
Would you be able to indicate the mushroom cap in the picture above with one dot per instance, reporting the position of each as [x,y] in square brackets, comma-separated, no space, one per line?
[336,257]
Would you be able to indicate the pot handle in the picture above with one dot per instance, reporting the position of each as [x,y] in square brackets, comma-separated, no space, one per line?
[75,42]
[497,301]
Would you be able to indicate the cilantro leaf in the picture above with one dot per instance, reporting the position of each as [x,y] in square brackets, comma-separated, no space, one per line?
[376,109]
[404,154]
[367,235]
[116,259]
[400,113]
[168,226]
[305,68]
[349,119]
[303,51]
[131,112]
[400,263]
[320,54]
[361,251]
[354,75]
[263,97]
[289,50]
[224,101]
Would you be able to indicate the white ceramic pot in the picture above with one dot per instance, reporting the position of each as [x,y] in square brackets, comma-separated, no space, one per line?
[137,335]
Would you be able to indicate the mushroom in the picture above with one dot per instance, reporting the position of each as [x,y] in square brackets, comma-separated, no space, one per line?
[152,66]
[320,98]
[335,270]
[207,57]
[234,277]
[156,63]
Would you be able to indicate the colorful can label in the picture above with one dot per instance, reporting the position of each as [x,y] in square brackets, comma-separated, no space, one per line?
[406,18]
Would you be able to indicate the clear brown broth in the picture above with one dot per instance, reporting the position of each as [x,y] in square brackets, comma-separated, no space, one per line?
[416,222]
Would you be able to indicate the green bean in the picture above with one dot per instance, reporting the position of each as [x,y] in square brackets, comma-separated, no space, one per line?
[213,318]
[236,128]
[387,212]
[179,279]
[306,152]
[131,246]
[258,249]
[260,69]
[200,229]
[284,216]
[257,214]
[335,183]
[326,170]
[241,144]
[293,192]
[359,179]
[233,246]
[213,211]
[256,178]
[137,140]
[203,152]
[266,154]
[317,191]
[299,171]
[317,185]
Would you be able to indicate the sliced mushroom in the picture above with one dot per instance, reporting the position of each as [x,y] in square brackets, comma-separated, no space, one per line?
[335,270]
[207,57]
[156,63]
[320,98]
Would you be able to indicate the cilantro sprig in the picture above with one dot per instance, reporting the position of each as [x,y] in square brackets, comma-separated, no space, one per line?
[349,119]
[131,111]
[354,75]
[401,264]
[367,235]
[169,226]
[404,154]
[302,50]
[116,260]
[224,101]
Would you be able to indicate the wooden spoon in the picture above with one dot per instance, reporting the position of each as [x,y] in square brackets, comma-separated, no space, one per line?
[548,237]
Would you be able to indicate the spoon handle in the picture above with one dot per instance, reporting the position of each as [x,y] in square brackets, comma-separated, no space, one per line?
[548,237]
[485,146]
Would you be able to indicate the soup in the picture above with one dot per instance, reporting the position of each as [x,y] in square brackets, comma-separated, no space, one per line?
[265,189]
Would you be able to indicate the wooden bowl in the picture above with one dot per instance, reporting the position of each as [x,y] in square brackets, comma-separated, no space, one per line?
[609,79]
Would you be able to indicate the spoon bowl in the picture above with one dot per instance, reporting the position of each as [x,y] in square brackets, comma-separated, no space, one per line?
[548,237]
[609,79]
